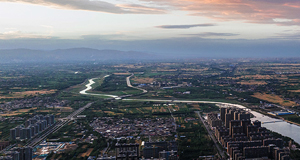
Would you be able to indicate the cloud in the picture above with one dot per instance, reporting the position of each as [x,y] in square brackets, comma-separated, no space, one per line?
[16,34]
[252,11]
[288,36]
[135,8]
[185,26]
[92,5]
[212,34]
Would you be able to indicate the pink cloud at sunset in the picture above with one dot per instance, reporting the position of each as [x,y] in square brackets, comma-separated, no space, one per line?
[253,11]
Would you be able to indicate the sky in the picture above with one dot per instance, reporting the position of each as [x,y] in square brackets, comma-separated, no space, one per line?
[223,28]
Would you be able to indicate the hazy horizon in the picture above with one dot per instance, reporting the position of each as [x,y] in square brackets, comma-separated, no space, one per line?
[220,29]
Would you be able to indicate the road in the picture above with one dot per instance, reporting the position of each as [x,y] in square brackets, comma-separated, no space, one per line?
[211,136]
[58,125]
[186,101]
[105,149]
[175,125]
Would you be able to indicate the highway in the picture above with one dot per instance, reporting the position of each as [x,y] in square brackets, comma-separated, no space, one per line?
[211,136]
[58,125]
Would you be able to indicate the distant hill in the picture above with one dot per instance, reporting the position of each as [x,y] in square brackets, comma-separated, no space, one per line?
[71,55]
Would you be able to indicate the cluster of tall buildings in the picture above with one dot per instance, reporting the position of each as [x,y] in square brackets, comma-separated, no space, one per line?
[32,127]
[3,144]
[213,120]
[245,139]
[18,153]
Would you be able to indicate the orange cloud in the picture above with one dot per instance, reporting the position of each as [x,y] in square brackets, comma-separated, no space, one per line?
[254,11]
[293,5]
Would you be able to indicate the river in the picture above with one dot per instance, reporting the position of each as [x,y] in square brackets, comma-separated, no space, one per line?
[89,87]
[276,125]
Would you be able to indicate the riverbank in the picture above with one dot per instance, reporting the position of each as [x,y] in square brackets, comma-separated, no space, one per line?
[278,117]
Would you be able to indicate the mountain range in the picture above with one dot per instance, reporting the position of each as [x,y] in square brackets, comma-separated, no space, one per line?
[71,55]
